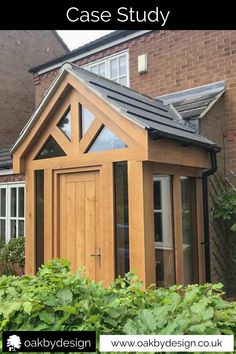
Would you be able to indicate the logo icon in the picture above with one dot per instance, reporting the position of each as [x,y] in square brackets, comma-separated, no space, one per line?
[13,343]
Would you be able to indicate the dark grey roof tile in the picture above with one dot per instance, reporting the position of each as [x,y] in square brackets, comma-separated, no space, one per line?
[5,158]
[194,102]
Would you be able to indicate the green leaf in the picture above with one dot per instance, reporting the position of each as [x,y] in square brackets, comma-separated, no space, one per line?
[8,309]
[110,321]
[217,286]
[233,227]
[47,317]
[130,327]
[114,313]
[51,301]
[93,319]
[27,306]
[69,309]
[201,328]
[199,307]
[207,314]
[65,296]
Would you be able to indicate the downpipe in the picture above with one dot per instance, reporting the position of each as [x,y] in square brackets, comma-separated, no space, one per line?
[206,218]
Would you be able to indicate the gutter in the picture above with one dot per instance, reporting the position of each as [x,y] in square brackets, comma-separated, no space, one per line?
[206,218]
[156,135]
[110,40]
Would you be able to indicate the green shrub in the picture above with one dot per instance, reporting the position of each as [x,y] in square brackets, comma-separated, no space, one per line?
[55,299]
[225,207]
[195,310]
[14,253]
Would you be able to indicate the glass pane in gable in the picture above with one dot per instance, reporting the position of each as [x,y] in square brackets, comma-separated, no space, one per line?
[87,119]
[65,124]
[50,149]
[107,140]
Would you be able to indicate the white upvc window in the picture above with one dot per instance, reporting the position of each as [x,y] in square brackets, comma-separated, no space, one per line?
[115,67]
[163,212]
[12,211]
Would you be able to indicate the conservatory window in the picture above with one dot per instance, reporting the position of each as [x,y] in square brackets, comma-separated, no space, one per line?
[12,211]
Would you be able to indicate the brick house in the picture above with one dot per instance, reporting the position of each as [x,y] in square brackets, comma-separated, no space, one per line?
[192,71]
[20,50]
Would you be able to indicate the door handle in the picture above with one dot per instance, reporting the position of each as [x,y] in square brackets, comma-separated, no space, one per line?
[97,255]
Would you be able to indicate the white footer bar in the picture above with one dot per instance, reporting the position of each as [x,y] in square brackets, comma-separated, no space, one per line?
[167,343]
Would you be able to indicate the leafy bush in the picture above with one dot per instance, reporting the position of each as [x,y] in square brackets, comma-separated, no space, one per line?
[55,299]
[13,255]
[195,310]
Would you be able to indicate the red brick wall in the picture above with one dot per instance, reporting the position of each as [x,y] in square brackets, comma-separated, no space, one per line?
[19,51]
[12,178]
[211,125]
[179,60]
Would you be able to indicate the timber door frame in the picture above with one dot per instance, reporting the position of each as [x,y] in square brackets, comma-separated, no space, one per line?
[79,234]
[106,193]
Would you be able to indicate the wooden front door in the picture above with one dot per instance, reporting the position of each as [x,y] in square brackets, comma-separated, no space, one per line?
[79,220]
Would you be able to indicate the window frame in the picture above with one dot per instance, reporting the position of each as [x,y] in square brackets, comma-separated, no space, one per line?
[8,218]
[107,60]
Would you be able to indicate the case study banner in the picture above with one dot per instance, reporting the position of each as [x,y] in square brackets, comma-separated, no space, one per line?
[122,15]
[132,15]
[167,343]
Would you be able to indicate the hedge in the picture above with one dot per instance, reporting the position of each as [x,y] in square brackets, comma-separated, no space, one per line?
[57,300]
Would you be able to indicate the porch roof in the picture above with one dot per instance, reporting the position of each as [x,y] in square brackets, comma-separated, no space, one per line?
[160,120]
[195,102]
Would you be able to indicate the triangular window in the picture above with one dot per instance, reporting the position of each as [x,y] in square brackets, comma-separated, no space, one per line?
[50,149]
[107,140]
[65,124]
[87,119]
